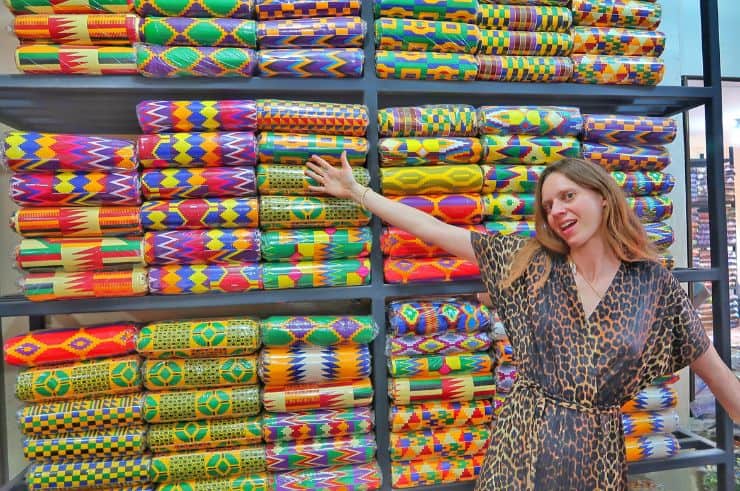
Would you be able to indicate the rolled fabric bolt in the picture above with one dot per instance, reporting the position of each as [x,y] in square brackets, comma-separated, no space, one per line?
[435,316]
[439,442]
[426,472]
[157,116]
[188,31]
[358,477]
[343,450]
[200,182]
[74,29]
[312,364]
[444,344]
[296,149]
[195,8]
[90,445]
[317,424]
[651,208]
[617,70]
[194,61]
[634,130]
[524,68]
[454,10]
[649,422]
[48,59]
[312,63]
[510,178]
[527,43]
[200,213]
[460,209]
[214,246]
[110,473]
[294,9]
[511,227]
[525,17]
[397,243]
[318,330]
[411,270]
[206,434]
[75,254]
[312,274]
[624,157]
[315,244]
[652,398]
[71,7]
[194,405]
[438,365]
[425,35]
[408,151]
[430,121]
[526,149]
[660,234]
[508,206]
[70,188]
[647,447]
[459,388]
[316,32]
[210,149]
[280,212]
[439,179]
[335,395]
[175,279]
[261,481]
[644,15]
[77,221]
[644,183]
[62,285]
[324,118]
[530,120]
[411,65]
[200,373]
[440,414]
[177,467]
[617,41]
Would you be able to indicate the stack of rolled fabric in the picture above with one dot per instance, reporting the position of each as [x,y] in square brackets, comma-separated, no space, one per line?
[319,426]
[309,239]
[632,149]
[83,426]
[79,215]
[616,42]
[505,371]
[203,404]
[525,41]
[427,39]
[200,185]
[441,388]
[84,37]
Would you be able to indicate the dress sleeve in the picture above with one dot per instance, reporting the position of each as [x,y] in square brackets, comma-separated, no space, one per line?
[494,254]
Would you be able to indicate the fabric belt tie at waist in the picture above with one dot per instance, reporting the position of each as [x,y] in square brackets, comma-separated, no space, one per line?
[541,394]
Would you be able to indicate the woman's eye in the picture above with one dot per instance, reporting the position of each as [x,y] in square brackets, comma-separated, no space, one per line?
[570,195]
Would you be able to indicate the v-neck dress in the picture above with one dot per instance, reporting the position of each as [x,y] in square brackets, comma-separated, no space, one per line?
[561,427]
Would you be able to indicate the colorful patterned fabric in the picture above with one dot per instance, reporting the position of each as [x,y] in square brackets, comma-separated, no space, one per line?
[90,445]
[50,347]
[527,149]
[425,151]
[76,29]
[627,157]
[207,464]
[89,254]
[317,330]
[316,244]
[286,456]
[511,227]
[188,116]
[441,442]
[194,61]
[70,7]
[617,41]
[333,395]
[508,206]
[206,434]
[411,270]
[661,235]
[197,149]
[293,9]
[313,274]
[62,285]
[652,398]
[175,279]
[197,213]
[76,222]
[324,118]
[499,68]
[426,35]
[48,59]
[312,63]
[527,43]
[194,405]
[435,316]
[50,419]
[530,120]
[439,365]
[186,31]
[199,373]
[215,246]
[195,8]
[108,473]
[645,15]
[440,414]
[608,128]
[649,422]
[531,2]
[455,10]
[75,188]
[280,212]
[313,364]
[315,32]
[362,477]
[208,182]
[460,209]
[510,178]
[411,65]
[644,183]
[396,242]
[505,377]
[432,120]
[296,149]
[651,447]
[617,70]
[80,380]
[438,179]
[448,343]
[504,351]
[319,424]
[428,472]
[208,338]
[459,388]
[525,17]
[253,482]
[42,152]
[651,208]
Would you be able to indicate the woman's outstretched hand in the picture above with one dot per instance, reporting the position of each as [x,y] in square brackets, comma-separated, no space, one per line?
[336,181]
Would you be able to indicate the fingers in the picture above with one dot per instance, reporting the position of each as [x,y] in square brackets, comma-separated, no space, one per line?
[345,162]
[319,161]
[314,175]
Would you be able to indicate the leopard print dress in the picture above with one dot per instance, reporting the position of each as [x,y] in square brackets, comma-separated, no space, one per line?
[561,426]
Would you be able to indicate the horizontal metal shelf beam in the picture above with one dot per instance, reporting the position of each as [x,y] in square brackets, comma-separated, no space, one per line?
[693,274]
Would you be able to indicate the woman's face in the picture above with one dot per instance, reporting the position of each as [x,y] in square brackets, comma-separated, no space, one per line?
[573,212]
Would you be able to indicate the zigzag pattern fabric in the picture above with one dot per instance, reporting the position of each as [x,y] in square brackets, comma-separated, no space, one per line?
[76,221]
[214,246]
[316,32]
[201,182]
[347,450]
[203,213]
[194,61]
[318,330]
[201,115]
[75,188]
[321,423]
[312,63]
[186,31]
[619,70]
[63,285]
[660,234]
[69,7]
[176,279]
[411,151]
[448,343]
[617,41]
[76,29]
[238,9]
[197,149]
[363,476]
[628,13]
[307,365]
[90,254]
[324,118]
[428,472]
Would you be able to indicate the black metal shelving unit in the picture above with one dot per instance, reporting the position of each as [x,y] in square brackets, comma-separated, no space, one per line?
[106,105]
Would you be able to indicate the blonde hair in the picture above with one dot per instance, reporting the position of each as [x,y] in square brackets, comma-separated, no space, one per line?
[623,232]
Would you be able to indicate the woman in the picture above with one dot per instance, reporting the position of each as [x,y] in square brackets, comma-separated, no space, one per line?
[591,316]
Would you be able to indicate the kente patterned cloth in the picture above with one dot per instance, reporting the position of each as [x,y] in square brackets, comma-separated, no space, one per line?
[333,395]
[317,330]
[617,70]
[439,442]
[458,209]
[528,149]
[199,213]
[79,254]
[440,414]
[201,338]
[326,118]
[428,472]
[525,43]
[651,208]
[448,343]
[50,419]
[645,15]
[362,477]
[627,157]
[396,242]
[52,152]
[652,398]
[667,260]
[296,149]
[650,422]
[661,235]
[70,188]
[321,423]
[510,227]
[207,464]
[214,246]
[188,31]
[51,347]
[647,447]
[253,482]
[644,183]
[316,244]
[62,285]
[635,130]
[106,474]
[89,445]
[499,400]
[195,435]
[195,8]
[195,405]
[76,221]
[505,377]
[159,116]
[530,2]
[76,29]
[439,365]
[412,65]
[453,10]
[459,388]
[525,17]
[80,380]
[617,41]
[431,120]
[437,179]
[293,9]
[510,178]
[199,373]
[508,206]
[411,270]
[315,32]
[435,316]
[309,454]
[666,379]
[401,152]
[70,7]
[197,149]
[504,351]
[49,59]
[194,61]
[281,212]
[174,279]
[312,63]
[501,68]
[285,366]
[202,182]
[426,35]
[313,274]
[530,120]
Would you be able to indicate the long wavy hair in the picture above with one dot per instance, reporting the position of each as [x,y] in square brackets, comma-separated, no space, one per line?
[622,230]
